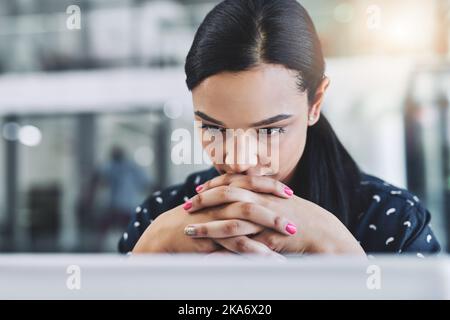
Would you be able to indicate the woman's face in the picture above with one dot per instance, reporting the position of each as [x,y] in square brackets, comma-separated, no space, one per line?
[266,97]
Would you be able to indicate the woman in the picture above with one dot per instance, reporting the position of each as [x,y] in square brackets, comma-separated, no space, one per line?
[259,64]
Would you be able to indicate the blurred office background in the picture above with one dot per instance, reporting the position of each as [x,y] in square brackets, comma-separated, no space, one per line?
[86,114]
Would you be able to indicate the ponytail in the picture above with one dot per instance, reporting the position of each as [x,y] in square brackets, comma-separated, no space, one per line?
[326,174]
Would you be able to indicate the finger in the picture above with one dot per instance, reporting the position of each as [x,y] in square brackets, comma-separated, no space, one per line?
[259,184]
[258,214]
[245,245]
[224,179]
[274,241]
[218,196]
[222,229]
[203,246]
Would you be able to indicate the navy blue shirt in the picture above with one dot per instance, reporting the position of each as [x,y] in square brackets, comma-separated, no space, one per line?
[392,220]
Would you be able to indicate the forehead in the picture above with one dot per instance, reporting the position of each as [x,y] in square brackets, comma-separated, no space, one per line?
[250,96]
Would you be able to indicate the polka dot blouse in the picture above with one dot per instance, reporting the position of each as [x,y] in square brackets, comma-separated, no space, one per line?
[392,220]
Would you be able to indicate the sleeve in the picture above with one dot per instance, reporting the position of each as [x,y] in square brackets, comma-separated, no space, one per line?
[140,221]
[396,223]
[158,203]
[418,238]
[148,211]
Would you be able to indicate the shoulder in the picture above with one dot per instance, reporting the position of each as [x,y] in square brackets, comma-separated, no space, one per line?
[378,194]
[392,219]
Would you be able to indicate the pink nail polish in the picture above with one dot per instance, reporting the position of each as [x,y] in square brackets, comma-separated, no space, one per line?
[288,191]
[290,228]
[199,188]
[187,205]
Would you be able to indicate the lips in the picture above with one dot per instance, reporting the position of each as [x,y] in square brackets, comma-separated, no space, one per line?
[261,171]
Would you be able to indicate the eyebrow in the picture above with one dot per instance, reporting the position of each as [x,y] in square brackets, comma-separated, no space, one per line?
[272,120]
[208,118]
[265,122]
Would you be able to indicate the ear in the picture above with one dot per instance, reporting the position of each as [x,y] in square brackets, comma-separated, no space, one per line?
[316,105]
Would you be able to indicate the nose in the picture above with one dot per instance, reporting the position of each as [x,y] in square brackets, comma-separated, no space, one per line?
[238,168]
[242,156]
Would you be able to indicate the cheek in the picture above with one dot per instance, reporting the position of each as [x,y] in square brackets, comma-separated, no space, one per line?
[296,141]
[292,146]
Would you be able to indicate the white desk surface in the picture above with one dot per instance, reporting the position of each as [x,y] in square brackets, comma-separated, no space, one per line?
[196,277]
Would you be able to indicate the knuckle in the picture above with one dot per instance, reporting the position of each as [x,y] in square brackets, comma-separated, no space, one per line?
[226,192]
[271,242]
[199,199]
[241,244]
[206,246]
[231,227]
[203,231]
[277,221]
[247,209]
[252,182]
[227,179]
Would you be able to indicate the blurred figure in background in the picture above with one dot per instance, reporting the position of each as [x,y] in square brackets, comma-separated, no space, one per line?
[124,181]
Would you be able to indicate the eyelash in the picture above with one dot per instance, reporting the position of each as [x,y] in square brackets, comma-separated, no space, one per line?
[210,127]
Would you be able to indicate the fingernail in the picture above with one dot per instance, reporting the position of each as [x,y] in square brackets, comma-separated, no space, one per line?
[288,191]
[291,229]
[190,231]
[187,205]
[199,188]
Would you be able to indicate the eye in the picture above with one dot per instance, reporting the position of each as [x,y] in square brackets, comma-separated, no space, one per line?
[212,129]
[272,131]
